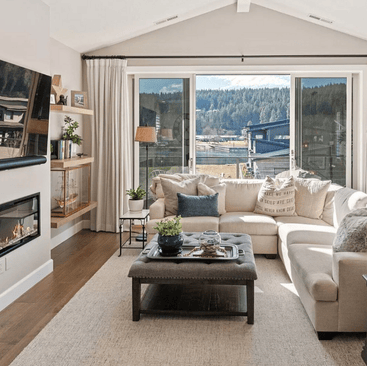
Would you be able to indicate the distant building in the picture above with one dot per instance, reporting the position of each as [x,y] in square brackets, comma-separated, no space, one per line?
[268,137]
[12,109]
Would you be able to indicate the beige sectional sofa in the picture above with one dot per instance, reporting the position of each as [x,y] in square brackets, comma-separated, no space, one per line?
[330,285]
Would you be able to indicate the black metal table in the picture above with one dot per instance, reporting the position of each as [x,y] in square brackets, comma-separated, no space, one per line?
[142,216]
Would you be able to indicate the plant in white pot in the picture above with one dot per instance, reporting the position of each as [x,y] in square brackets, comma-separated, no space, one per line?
[136,202]
[169,236]
[71,137]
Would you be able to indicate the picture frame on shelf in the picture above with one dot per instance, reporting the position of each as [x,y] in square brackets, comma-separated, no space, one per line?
[52,99]
[79,99]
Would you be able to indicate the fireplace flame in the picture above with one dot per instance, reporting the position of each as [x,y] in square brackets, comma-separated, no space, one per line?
[18,231]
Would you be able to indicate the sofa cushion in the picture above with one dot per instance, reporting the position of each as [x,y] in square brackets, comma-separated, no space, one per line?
[310,197]
[347,200]
[156,187]
[157,190]
[276,197]
[328,212]
[247,222]
[190,224]
[241,194]
[313,263]
[351,235]
[298,229]
[170,190]
[209,180]
[204,190]
[197,205]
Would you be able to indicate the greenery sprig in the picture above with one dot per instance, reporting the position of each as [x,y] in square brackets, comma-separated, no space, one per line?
[169,227]
[136,194]
[69,131]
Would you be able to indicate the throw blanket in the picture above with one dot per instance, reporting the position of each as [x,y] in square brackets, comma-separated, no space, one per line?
[352,232]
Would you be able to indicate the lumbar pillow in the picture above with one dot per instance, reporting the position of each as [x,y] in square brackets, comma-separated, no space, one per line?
[197,205]
[276,197]
[352,232]
[310,197]
[204,190]
[171,188]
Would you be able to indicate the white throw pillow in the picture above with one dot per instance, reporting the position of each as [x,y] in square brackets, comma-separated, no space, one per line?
[170,190]
[310,197]
[204,190]
[276,197]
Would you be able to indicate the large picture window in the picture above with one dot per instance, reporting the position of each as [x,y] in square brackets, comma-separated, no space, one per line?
[246,126]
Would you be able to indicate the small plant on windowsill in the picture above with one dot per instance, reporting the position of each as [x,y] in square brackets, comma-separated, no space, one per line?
[169,236]
[136,201]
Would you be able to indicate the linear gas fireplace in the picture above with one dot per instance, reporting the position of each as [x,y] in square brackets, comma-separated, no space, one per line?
[19,222]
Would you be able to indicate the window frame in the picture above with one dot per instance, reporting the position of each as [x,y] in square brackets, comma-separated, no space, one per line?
[357,112]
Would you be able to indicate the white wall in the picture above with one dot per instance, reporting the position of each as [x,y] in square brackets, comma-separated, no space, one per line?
[225,32]
[67,63]
[24,40]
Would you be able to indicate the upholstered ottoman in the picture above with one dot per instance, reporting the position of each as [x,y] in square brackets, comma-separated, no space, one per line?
[193,273]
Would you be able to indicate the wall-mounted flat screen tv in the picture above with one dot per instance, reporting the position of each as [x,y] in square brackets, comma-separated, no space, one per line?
[24,112]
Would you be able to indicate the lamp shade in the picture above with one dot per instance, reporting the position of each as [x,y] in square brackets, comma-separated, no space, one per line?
[166,133]
[145,134]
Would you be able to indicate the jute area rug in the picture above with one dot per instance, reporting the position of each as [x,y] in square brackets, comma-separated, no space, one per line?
[95,328]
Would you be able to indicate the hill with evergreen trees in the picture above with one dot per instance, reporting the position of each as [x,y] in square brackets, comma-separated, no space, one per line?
[229,111]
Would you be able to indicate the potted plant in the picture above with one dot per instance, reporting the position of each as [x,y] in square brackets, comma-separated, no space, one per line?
[70,136]
[136,202]
[169,236]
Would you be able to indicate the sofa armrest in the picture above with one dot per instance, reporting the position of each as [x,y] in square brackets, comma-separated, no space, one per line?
[347,271]
[157,209]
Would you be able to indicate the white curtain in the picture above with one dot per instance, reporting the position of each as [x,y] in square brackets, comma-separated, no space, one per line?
[111,141]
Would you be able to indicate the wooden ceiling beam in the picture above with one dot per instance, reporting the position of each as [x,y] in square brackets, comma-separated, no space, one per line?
[243,6]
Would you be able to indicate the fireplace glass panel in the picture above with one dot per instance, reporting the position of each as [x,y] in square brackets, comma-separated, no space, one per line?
[19,223]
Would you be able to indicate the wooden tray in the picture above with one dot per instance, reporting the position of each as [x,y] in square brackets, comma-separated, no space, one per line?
[232,253]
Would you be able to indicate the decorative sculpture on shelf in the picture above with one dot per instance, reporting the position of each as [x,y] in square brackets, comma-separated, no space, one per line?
[63,100]
[57,88]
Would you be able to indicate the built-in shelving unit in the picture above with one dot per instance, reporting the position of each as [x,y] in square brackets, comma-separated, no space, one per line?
[72,110]
[56,222]
[56,164]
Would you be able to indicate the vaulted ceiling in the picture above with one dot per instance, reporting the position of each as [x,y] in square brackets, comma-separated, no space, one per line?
[86,25]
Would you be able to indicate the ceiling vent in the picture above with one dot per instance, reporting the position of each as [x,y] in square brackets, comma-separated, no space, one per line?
[166,20]
[320,19]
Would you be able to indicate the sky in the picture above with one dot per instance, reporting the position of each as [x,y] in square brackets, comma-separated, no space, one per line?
[230,82]
[242,81]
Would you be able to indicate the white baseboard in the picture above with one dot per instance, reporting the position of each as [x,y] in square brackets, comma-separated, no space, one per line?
[86,224]
[17,290]
[68,233]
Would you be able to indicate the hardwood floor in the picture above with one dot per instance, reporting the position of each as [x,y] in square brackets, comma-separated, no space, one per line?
[75,262]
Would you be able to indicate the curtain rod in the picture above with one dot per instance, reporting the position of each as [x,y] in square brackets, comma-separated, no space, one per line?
[242,57]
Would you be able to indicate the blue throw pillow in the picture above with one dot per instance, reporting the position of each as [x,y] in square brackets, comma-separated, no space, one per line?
[197,205]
